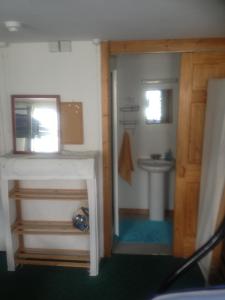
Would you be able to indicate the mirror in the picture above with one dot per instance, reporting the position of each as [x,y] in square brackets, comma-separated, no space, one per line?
[159,106]
[36,123]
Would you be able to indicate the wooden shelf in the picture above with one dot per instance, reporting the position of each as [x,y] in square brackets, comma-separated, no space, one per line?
[46,227]
[53,257]
[49,257]
[47,194]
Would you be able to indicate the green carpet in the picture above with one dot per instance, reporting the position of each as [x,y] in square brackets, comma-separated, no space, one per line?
[121,277]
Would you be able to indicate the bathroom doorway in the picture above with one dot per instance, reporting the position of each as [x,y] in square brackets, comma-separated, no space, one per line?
[145,107]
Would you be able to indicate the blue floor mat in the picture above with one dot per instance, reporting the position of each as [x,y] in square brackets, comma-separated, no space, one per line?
[145,231]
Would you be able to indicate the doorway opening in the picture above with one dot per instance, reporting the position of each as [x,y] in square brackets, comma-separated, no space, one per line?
[145,108]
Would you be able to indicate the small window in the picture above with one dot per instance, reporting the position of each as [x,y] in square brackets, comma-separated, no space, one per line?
[159,106]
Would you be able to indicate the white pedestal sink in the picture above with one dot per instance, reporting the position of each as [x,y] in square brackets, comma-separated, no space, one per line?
[157,174]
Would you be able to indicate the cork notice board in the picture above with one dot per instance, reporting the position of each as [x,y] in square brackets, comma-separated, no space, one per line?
[72,123]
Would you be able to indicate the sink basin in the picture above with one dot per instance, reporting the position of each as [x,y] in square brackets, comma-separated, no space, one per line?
[158,174]
[155,165]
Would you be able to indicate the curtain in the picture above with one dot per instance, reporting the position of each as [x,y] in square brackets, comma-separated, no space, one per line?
[213,167]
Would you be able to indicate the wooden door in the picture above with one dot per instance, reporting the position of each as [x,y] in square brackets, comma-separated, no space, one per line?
[196,69]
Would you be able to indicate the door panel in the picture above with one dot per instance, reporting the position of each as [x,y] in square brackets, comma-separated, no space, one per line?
[199,96]
[202,72]
[197,118]
[196,69]
[190,208]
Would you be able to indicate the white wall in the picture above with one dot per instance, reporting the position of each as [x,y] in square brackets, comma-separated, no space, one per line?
[4,135]
[29,68]
[146,139]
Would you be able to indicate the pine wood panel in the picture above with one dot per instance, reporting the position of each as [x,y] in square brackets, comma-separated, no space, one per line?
[47,194]
[107,152]
[159,46]
[140,212]
[54,254]
[53,263]
[191,210]
[46,227]
[196,70]
[199,96]
[201,73]
[19,215]
[208,58]
[197,121]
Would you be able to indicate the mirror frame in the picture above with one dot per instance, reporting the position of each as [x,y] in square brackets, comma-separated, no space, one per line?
[13,102]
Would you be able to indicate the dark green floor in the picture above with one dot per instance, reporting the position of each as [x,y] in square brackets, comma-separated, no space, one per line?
[121,277]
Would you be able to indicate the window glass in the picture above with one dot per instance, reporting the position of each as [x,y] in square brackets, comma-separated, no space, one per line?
[158,106]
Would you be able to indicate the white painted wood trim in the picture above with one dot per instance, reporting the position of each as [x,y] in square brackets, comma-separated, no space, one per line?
[115,153]
[7,227]
[93,222]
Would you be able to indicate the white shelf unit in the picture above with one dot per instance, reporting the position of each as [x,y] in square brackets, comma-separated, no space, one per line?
[19,168]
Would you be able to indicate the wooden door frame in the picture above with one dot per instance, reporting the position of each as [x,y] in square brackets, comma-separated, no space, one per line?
[109,48]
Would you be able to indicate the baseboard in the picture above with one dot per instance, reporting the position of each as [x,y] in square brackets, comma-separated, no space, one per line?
[144,212]
[133,212]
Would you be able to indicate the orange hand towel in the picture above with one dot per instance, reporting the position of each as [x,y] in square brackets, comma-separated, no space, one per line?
[125,159]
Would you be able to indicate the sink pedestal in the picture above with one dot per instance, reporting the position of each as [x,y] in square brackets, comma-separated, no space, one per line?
[158,171]
[157,195]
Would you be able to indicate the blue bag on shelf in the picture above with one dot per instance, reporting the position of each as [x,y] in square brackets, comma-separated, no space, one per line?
[81,219]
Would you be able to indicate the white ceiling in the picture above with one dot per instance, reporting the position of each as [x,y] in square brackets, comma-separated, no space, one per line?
[50,20]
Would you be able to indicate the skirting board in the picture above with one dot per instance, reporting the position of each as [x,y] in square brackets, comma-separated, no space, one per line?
[141,212]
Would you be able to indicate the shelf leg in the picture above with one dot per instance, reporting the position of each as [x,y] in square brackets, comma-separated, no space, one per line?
[8,233]
[93,223]
[19,216]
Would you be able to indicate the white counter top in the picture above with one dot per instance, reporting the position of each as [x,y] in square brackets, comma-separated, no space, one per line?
[66,165]
[61,155]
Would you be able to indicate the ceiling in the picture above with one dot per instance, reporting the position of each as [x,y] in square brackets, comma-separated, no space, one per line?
[51,20]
